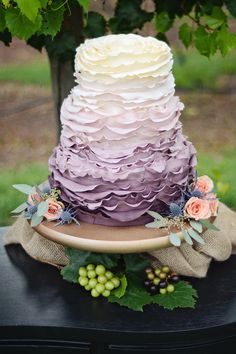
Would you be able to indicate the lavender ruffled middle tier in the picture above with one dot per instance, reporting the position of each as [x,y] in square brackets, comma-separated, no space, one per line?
[112,173]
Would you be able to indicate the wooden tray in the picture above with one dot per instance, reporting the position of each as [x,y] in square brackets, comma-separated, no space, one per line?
[106,239]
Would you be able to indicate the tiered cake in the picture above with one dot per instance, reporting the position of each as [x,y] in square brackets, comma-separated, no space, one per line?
[122,151]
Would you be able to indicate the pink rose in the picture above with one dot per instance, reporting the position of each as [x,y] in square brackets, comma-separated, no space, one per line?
[197,208]
[204,184]
[213,203]
[34,199]
[54,209]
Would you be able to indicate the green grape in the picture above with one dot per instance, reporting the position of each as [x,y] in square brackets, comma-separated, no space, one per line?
[90,267]
[109,274]
[106,293]
[92,274]
[83,272]
[157,271]
[87,287]
[100,288]
[156,281]
[102,279]
[83,281]
[100,269]
[92,282]
[163,291]
[170,288]
[109,285]
[94,293]
[116,282]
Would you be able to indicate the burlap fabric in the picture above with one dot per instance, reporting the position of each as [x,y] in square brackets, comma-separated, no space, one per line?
[185,260]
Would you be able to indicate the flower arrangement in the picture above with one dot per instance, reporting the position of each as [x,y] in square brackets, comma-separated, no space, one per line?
[43,204]
[198,205]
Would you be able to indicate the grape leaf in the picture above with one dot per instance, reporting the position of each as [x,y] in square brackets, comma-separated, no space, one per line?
[135,263]
[44,3]
[186,34]
[231,6]
[96,25]
[5,37]
[225,40]
[216,19]
[29,8]
[5,3]
[20,26]
[2,20]
[81,258]
[128,16]
[84,4]
[119,292]
[135,296]
[52,21]
[183,296]
[205,42]
[163,22]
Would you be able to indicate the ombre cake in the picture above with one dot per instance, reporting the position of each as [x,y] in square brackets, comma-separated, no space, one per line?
[122,151]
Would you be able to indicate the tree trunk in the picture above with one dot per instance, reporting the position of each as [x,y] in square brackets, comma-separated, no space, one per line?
[62,67]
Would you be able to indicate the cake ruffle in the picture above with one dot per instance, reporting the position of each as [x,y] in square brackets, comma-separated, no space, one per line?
[123,189]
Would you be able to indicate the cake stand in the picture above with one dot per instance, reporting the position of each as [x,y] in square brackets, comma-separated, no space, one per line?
[106,239]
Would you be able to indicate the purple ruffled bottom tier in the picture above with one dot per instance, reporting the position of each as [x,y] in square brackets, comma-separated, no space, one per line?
[120,191]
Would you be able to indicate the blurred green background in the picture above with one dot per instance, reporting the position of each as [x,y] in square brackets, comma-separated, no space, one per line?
[28,130]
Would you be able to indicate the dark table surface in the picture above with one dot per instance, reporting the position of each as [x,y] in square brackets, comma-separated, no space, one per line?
[39,309]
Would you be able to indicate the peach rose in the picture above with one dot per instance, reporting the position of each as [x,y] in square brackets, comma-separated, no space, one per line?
[204,184]
[197,208]
[54,209]
[34,199]
[213,203]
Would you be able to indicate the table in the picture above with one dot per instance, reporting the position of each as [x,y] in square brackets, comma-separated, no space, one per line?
[41,313]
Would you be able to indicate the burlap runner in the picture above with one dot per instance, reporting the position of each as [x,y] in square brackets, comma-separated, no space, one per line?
[185,260]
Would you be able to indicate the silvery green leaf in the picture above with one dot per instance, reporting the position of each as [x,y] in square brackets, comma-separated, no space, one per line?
[20,208]
[195,235]
[42,208]
[187,237]
[24,188]
[157,224]
[174,239]
[209,225]
[196,226]
[38,191]
[36,220]
[155,215]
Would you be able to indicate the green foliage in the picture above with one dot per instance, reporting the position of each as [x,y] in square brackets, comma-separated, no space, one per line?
[119,292]
[203,24]
[183,296]
[78,259]
[95,26]
[129,16]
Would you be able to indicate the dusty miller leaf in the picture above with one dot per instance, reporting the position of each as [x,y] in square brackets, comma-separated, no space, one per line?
[42,208]
[187,237]
[155,215]
[208,225]
[20,208]
[157,224]
[23,188]
[174,240]
[36,220]
[195,235]
[196,226]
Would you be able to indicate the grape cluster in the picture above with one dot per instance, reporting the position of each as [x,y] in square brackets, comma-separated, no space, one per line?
[98,280]
[160,280]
